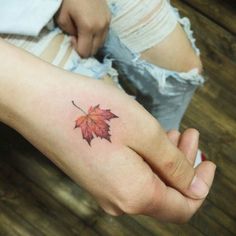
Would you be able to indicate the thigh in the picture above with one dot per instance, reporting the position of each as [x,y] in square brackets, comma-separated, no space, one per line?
[152,28]
[175,52]
[159,69]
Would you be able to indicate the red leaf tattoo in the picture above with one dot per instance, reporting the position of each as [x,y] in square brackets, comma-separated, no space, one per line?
[94,123]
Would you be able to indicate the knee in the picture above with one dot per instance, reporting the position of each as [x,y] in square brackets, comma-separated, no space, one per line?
[192,62]
[181,61]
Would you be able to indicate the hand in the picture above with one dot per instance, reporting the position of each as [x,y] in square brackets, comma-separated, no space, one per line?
[141,171]
[88,21]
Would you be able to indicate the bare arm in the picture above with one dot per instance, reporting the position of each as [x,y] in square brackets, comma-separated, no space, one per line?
[36,99]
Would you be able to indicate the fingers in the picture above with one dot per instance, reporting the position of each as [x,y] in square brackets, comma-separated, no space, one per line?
[89,43]
[140,191]
[84,44]
[90,38]
[174,136]
[100,36]
[66,24]
[89,21]
[98,42]
[206,170]
[168,161]
[175,207]
[188,144]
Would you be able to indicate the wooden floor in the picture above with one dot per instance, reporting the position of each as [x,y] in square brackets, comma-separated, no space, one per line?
[36,198]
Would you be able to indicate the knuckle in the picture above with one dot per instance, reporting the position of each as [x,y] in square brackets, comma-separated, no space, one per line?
[61,21]
[88,26]
[176,169]
[101,25]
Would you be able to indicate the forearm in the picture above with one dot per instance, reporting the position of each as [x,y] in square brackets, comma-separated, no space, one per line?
[35,99]
[17,71]
[7,58]
[23,80]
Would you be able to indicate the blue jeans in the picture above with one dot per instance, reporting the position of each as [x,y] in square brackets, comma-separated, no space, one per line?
[168,92]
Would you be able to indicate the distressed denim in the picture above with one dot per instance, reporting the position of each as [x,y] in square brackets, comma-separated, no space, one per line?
[168,92]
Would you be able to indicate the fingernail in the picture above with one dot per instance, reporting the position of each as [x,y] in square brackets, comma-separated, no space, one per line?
[199,188]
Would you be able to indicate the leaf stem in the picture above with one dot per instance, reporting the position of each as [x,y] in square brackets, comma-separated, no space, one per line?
[79,108]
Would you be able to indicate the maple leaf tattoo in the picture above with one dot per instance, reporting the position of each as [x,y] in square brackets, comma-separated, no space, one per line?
[94,123]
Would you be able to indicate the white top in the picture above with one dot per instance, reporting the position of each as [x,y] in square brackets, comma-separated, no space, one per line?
[26,17]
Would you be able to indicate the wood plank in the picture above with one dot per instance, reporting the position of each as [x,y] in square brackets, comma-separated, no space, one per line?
[165,230]
[13,225]
[138,228]
[42,173]
[224,124]
[218,136]
[219,97]
[223,13]
[223,195]
[212,112]
[219,149]
[35,206]
[209,33]
[218,63]
[218,67]
[101,223]
[47,176]
[158,228]
[220,218]
[111,226]
[208,225]
[212,107]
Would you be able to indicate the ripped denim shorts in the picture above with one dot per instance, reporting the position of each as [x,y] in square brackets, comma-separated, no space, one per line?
[169,92]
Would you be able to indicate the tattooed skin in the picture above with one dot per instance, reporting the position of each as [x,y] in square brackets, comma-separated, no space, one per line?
[94,123]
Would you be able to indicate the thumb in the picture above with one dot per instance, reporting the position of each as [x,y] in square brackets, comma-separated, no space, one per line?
[179,171]
[172,165]
[188,144]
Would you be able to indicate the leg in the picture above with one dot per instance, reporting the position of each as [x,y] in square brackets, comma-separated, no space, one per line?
[147,54]
[174,56]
